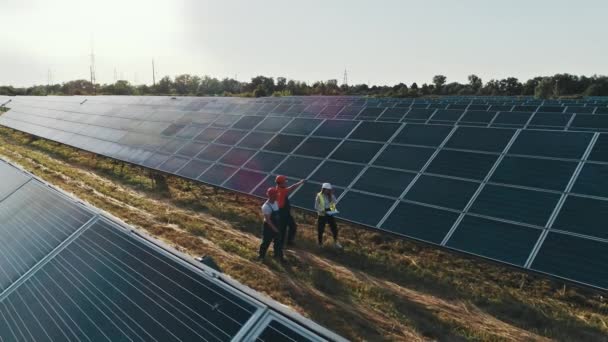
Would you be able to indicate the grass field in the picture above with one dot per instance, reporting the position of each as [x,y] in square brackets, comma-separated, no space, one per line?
[379,288]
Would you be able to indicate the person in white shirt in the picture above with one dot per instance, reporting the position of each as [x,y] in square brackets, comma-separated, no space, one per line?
[325,205]
[270,230]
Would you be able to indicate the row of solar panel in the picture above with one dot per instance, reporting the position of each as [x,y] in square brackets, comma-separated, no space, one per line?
[358,100]
[367,111]
[439,168]
[129,120]
[69,273]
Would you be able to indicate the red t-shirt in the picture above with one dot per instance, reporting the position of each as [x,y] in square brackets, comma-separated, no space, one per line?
[282,194]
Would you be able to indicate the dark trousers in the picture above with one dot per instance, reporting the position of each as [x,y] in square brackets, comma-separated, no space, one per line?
[270,236]
[287,225]
[322,221]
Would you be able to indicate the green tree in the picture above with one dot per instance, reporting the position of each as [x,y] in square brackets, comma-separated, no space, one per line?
[439,81]
[475,82]
[544,89]
[165,86]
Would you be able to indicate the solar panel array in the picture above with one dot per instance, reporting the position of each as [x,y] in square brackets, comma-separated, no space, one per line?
[69,272]
[528,197]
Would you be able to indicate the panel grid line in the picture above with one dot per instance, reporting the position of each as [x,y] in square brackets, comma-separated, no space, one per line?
[560,204]
[479,189]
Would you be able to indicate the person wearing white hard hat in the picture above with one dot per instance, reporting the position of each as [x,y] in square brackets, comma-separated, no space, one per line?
[325,205]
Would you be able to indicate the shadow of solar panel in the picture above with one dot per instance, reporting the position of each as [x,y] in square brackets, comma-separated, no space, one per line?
[573,258]
[442,192]
[551,144]
[384,182]
[350,207]
[375,131]
[420,222]
[356,151]
[536,173]
[283,143]
[480,139]
[425,135]
[193,168]
[462,164]
[217,174]
[500,241]
[244,180]
[213,152]
[106,285]
[33,221]
[520,205]
[298,167]
[335,128]
[12,179]
[230,137]
[583,215]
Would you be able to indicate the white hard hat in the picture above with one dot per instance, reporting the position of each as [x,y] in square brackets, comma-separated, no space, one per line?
[326,186]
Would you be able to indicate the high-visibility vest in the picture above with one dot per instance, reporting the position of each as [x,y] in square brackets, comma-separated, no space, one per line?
[332,204]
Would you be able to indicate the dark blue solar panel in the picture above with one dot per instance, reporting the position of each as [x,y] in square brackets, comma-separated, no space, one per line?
[33,221]
[106,285]
[501,241]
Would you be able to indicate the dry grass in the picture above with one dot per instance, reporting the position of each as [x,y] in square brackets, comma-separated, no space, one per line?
[378,288]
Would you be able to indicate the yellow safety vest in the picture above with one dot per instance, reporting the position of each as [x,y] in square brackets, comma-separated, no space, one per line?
[332,204]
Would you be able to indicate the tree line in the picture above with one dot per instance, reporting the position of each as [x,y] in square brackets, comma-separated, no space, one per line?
[556,86]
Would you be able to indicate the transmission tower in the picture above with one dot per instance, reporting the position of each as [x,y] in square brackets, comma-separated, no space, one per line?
[345,79]
[153,74]
[92,68]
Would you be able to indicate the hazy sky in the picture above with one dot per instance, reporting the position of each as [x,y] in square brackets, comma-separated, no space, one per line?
[383,42]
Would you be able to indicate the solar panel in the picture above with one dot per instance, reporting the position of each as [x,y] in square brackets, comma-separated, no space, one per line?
[511,176]
[71,273]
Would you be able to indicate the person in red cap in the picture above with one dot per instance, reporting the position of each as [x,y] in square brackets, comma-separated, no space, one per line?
[270,230]
[285,218]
